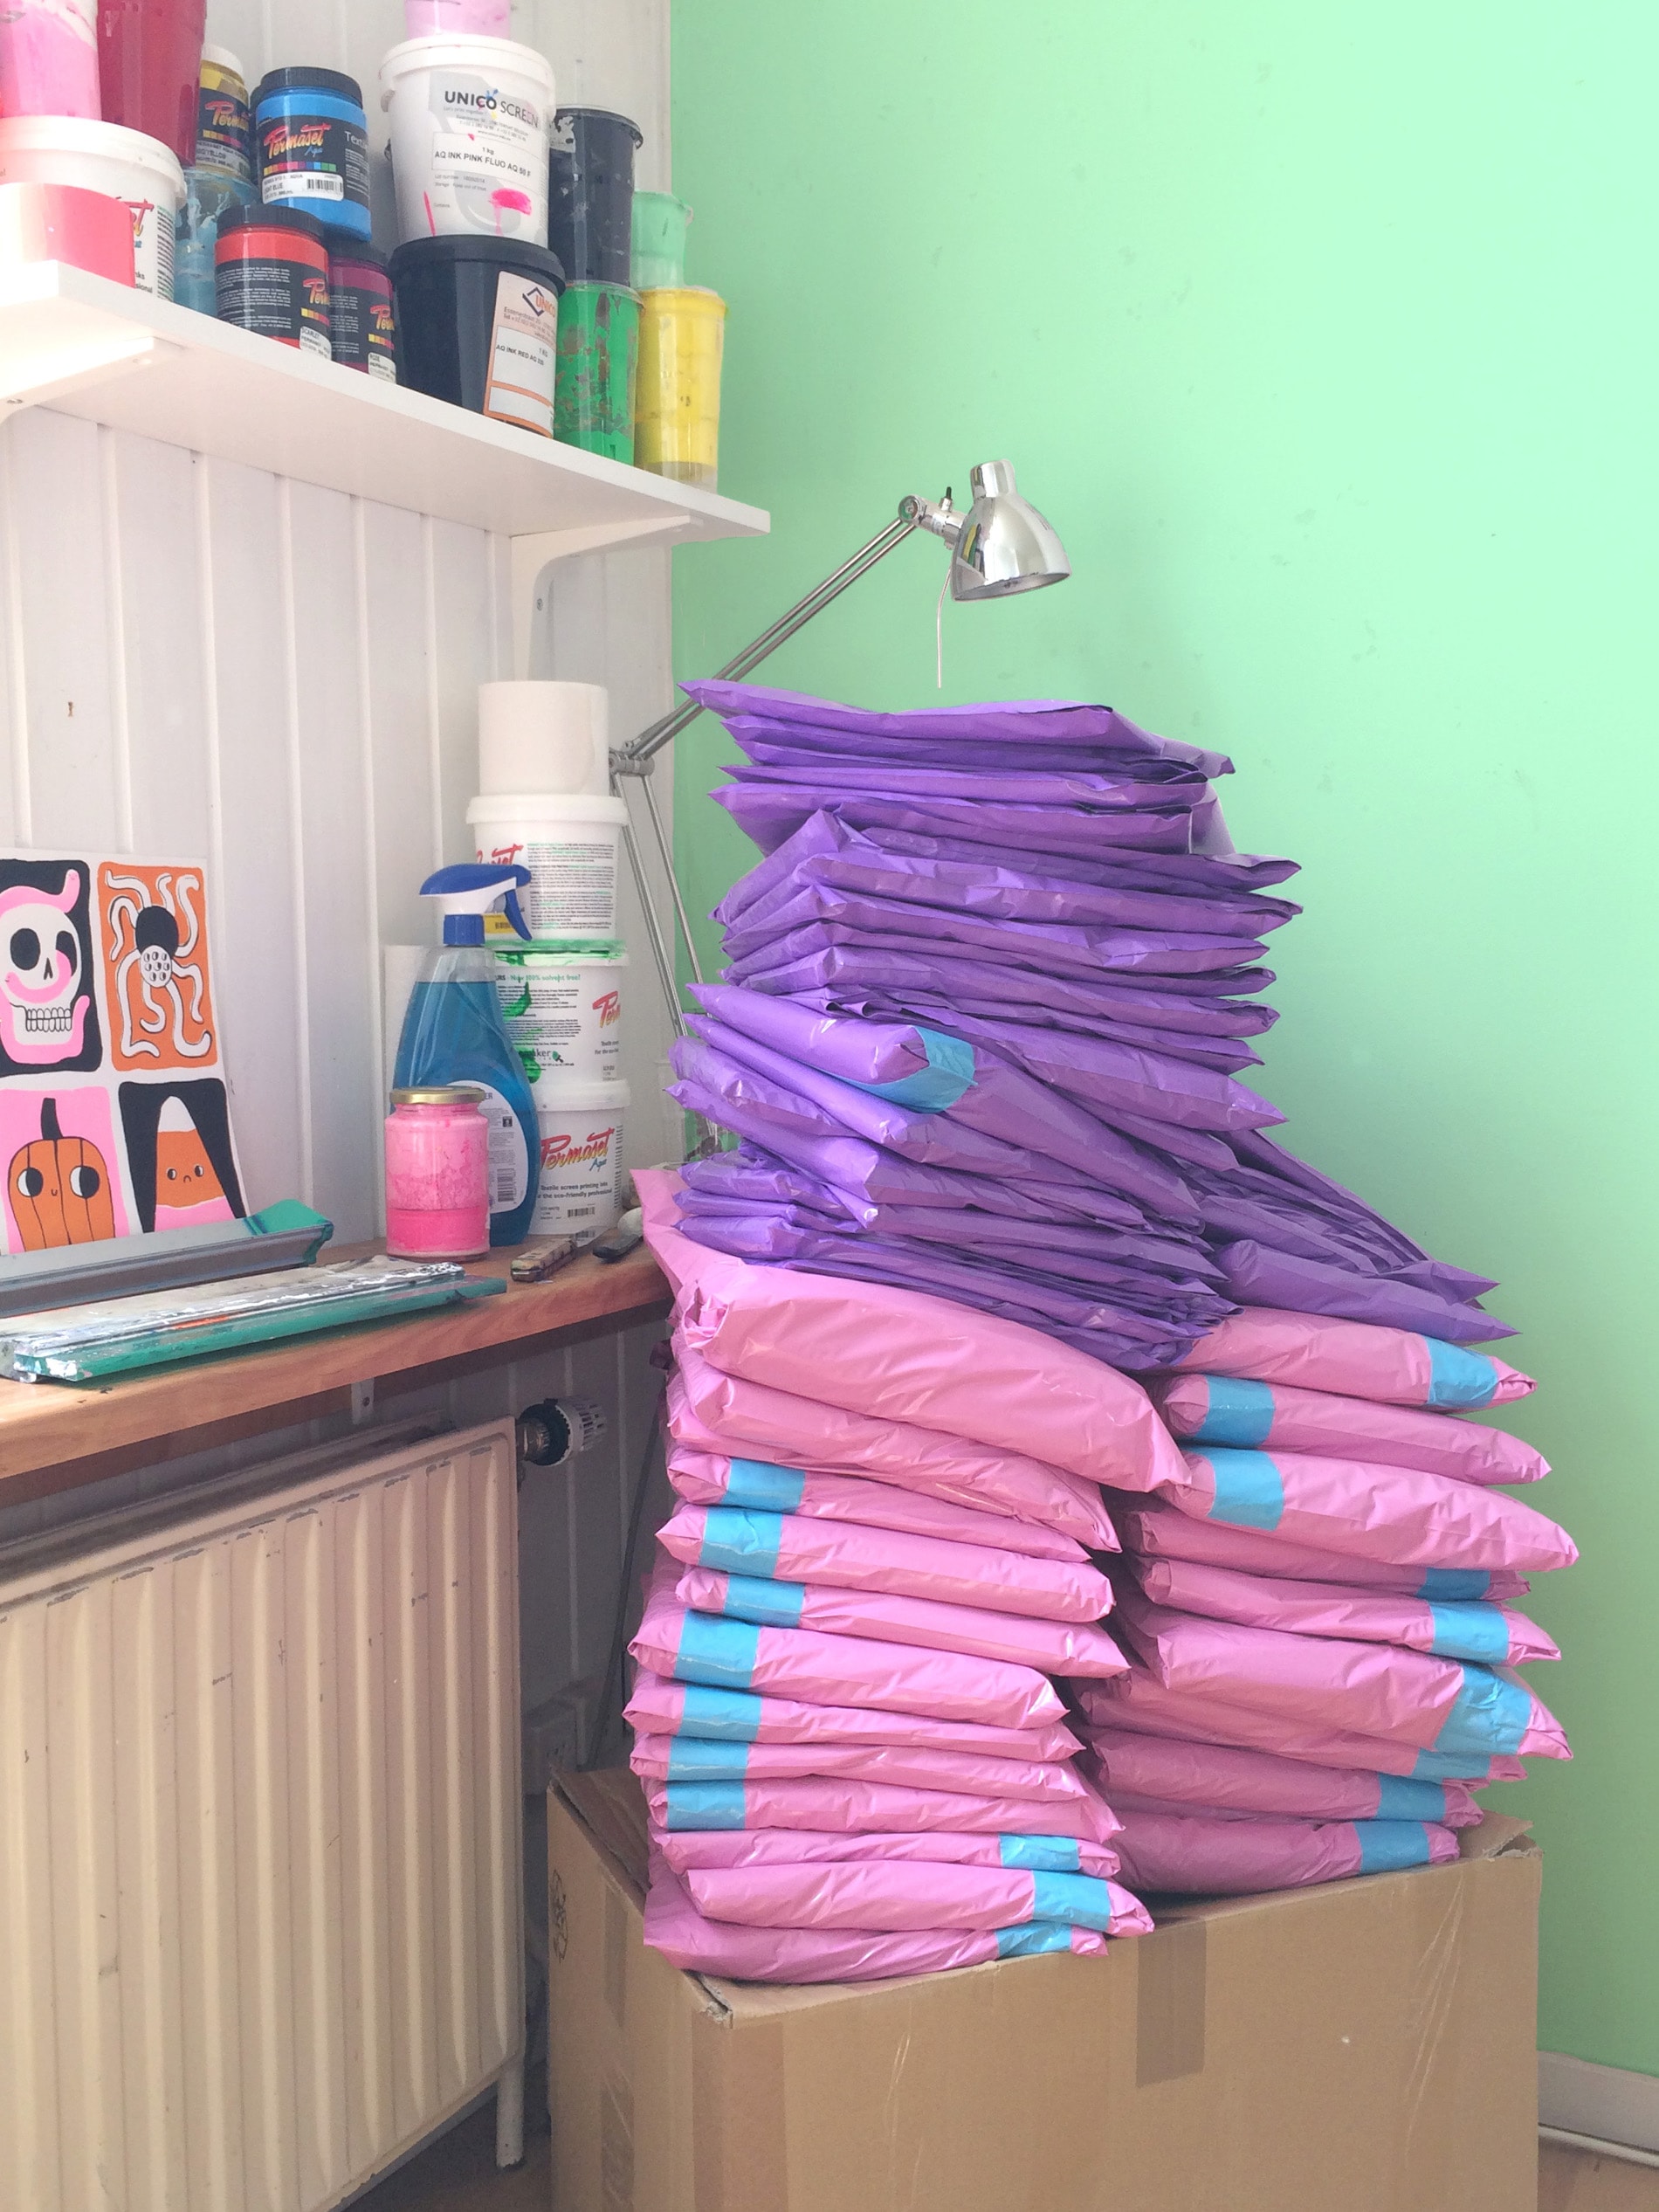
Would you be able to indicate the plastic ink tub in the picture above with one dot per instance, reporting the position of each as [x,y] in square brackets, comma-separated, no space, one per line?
[49,58]
[470,120]
[437,1174]
[677,425]
[224,117]
[149,68]
[593,399]
[477,324]
[590,195]
[270,276]
[562,1007]
[572,847]
[580,1126]
[311,136]
[66,223]
[102,157]
[362,328]
[660,224]
[484,18]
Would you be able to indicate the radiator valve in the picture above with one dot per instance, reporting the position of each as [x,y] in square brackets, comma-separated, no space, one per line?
[555,1431]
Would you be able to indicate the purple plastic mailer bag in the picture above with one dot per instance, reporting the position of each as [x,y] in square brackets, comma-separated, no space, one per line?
[984,1109]
[827,958]
[1256,1276]
[1048,721]
[769,813]
[994,888]
[1077,950]
[1045,788]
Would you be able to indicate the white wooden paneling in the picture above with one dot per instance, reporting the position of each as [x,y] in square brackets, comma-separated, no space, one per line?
[284,681]
[198,658]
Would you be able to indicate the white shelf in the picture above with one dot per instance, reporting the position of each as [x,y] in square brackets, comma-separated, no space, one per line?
[97,349]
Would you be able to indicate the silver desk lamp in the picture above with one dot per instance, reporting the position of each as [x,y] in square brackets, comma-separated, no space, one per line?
[1001,546]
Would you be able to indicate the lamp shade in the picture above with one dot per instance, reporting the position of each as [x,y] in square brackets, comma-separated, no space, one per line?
[1005,545]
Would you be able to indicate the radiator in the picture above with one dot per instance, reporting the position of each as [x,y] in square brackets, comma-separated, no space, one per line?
[260,1832]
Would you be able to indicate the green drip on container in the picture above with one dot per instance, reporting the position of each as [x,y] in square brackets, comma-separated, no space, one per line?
[598,368]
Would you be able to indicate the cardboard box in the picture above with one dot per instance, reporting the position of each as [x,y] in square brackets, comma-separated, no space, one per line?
[1368,2046]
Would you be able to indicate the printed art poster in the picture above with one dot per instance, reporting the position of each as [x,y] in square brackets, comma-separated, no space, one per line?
[114,1115]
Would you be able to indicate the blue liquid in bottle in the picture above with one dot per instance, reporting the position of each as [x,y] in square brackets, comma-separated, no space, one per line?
[453,1033]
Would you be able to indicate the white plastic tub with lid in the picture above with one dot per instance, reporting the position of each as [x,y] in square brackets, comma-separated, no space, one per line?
[141,172]
[470,122]
[571,845]
[579,1193]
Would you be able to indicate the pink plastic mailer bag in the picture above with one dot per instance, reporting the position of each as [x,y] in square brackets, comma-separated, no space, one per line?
[658,1706]
[705,1758]
[792,1548]
[895,1894]
[711,1411]
[1164,1854]
[839,1670]
[1377,1690]
[1057,1647]
[1226,1778]
[832,1801]
[902,1355]
[1162,1531]
[1354,1359]
[1277,1416]
[1139,1701]
[674,1926]
[690,1847]
[1491,1634]
[703,1479]
[1393,1513]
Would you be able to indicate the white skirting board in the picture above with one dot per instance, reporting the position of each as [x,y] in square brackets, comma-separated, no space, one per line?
[1607,2104]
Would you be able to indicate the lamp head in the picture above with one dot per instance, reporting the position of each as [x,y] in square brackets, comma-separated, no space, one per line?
[1001,546]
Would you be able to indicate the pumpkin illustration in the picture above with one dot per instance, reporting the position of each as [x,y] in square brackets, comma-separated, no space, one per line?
[60,1188]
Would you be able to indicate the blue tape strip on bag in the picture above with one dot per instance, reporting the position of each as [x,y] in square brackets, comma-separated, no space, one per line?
[1238,1412]
[1488,1715]
[1049,1854]
[1249,1489]
[741,1541]
[758,1483]
[1081,1900]
[1387,1845]
[1470,1632]
[1454,1584]
[774,1605]
[733,1715]
[721,1652]
[1036,1935]
[1400,1798]
[1457,1377]
[706,1804]
[700,1758]
[948,1077]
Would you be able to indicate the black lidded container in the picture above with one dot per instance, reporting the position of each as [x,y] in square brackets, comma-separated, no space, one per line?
[590,194]
[477,324]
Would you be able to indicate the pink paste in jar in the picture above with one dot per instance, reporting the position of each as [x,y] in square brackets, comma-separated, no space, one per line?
[437,1174]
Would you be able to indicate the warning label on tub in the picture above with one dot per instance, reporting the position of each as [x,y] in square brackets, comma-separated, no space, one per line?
[523,348]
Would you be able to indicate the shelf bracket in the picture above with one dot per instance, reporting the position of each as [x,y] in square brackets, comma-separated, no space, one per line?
[35,379]
[532,556]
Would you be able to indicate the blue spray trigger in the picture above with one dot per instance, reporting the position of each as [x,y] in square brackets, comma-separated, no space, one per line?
[514,913]
[476,880]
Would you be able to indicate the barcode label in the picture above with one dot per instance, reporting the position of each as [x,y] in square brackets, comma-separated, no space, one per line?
[505,1187]
[579,1213]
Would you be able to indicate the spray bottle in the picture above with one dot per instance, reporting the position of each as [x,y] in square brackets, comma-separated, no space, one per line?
[453,1033]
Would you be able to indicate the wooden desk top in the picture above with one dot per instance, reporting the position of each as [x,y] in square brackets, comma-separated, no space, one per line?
[54,1436]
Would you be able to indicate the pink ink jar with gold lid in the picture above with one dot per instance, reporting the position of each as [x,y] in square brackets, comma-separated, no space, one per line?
[438,1173]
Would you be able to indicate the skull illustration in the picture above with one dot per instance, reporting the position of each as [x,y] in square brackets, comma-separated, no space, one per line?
[42,1005]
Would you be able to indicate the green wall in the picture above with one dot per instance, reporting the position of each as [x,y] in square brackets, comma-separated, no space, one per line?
[1323,333]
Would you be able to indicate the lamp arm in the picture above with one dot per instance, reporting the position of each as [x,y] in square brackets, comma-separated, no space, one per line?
[635,757]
